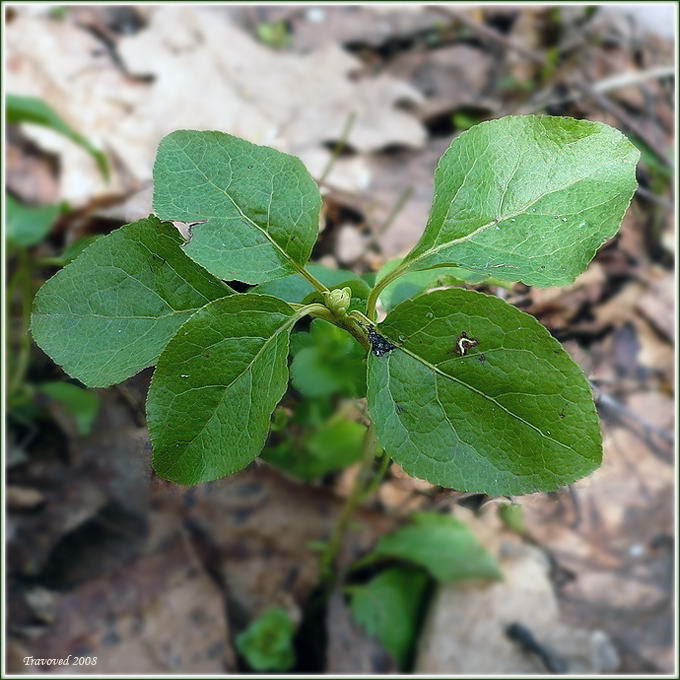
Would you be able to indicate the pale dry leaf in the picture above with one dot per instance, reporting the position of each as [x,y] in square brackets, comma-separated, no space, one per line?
[293,102]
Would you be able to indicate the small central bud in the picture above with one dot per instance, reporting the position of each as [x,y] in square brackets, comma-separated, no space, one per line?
[338,300]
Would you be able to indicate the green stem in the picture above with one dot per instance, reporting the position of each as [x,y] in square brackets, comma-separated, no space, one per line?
[312,279]
[24,276]
[364,486]
[355,329]
[378,477]
[380,286]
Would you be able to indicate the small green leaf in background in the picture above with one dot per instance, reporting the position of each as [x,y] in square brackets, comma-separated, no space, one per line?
[334,446]
[463,120]
[295,287]
[82,405]
[414,283]
[216,386]
[390,607]
[280,419]
[20,109]
[442,545]
[275,34]
[528,198]
[109,314]
[359,294]
[258,207]
[267,643]
[512,515]
[75,248]
[28,224]
[478,396]
[332,362]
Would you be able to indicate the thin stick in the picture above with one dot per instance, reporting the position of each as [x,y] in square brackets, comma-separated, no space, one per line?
[608,105]
[339,147]
[538,58]
[603,86]
[374,239]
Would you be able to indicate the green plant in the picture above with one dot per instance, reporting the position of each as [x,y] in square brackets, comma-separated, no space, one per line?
[463,389]
[267,643]
[23,109]
[431,548]
[275,34]
[26,226]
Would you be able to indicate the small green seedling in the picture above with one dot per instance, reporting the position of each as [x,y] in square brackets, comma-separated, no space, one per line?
[267,644]
[463,389]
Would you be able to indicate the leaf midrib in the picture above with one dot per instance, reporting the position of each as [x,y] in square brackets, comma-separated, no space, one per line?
[290,322]
[279,249]
[489,398]
[497,220]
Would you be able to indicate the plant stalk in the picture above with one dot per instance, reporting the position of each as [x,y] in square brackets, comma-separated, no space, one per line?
[312,279]
[379,287]
[364,487]
[23,278]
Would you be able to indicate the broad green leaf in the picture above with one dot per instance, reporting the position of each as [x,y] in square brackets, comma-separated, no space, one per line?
[478,396]
[334,446]
[109,313]
[414,283]
[333,362]
[360,290]
[216,386]
[259,207]
[81,404]
[20,109]
[390,608]
[528,198]
[267,643]
[441,544]
[28,224]
[295,287]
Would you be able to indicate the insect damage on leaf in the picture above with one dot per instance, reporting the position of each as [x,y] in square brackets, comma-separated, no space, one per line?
[464,343]
[379,346]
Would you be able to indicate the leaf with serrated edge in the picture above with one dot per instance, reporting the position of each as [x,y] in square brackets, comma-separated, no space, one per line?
[109,313]
[528,198]
[258,207]
[478,396]
[216,386]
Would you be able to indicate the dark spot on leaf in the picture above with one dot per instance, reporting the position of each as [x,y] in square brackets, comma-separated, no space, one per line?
[464,343]
[399,407]
[562,414]
[379,345]
[481,358]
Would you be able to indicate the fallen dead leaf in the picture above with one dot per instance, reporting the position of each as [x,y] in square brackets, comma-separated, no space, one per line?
[192,81]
